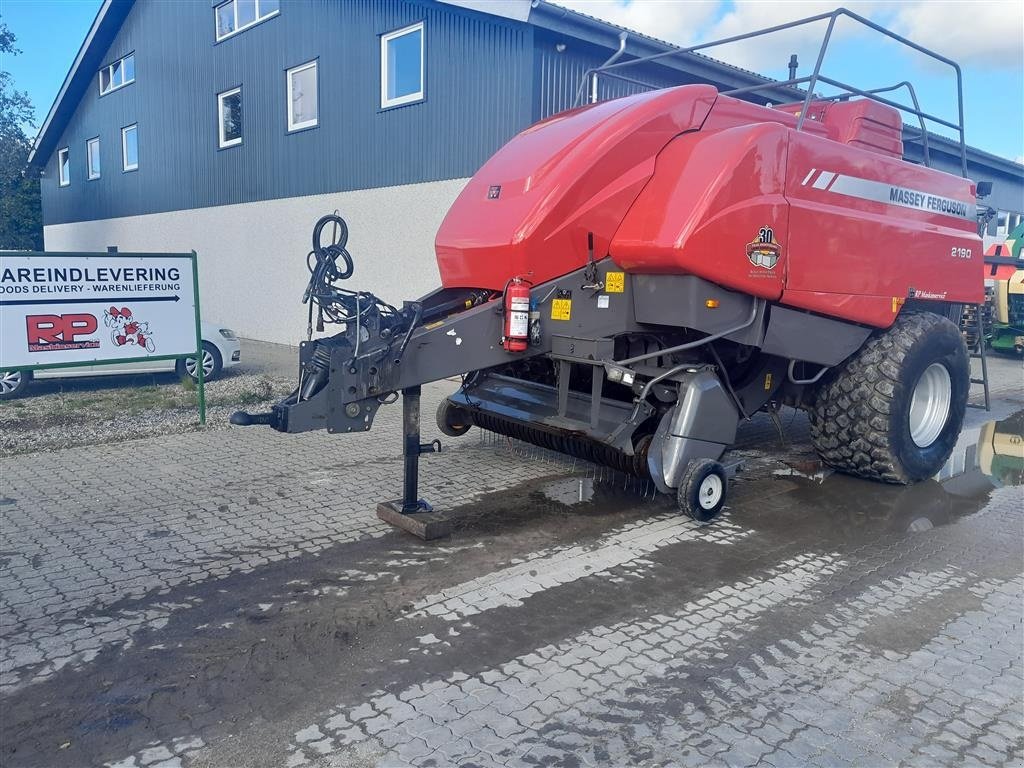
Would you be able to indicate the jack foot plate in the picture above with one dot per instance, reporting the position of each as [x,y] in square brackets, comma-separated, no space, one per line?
[426,524]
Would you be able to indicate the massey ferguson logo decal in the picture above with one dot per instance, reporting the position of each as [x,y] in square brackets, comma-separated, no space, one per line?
[52,333]
[913,199]
[882,192]
[763,250]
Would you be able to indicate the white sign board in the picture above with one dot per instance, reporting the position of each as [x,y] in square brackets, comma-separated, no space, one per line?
[60,308]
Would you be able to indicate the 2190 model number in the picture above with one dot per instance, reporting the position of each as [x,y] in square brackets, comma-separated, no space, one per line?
[960,253]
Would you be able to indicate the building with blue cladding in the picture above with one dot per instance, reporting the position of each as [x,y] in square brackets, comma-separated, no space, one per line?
[230,127]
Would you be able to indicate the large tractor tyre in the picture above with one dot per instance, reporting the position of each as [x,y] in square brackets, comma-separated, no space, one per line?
[893,411]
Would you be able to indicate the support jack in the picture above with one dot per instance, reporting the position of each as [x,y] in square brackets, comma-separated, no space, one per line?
[411,513]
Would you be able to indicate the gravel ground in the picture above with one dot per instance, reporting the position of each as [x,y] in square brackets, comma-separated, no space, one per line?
[64,413]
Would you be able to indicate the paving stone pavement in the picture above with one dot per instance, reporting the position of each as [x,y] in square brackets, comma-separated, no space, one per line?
[230,598]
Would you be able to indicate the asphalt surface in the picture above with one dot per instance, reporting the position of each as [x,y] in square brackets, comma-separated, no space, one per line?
[230,598]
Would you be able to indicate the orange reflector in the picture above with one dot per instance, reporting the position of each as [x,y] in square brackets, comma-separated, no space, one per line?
[711,303]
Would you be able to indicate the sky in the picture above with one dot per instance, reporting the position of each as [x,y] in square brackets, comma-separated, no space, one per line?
[984,36]
[47,48]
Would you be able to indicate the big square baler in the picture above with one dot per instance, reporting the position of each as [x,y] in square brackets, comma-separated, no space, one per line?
[628,280]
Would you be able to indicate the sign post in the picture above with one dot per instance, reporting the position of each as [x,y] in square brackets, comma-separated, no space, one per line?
[81,310]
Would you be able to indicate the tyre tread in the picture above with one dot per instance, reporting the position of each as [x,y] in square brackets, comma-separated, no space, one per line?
[850,417]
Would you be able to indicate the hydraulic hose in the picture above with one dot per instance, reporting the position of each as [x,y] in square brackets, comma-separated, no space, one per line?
[691,344]
[327,256]
[336,304]
[417,313]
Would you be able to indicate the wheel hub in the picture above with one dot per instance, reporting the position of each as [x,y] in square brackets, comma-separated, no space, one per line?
[710,492]
[9,381]
[190,364]
[930,405]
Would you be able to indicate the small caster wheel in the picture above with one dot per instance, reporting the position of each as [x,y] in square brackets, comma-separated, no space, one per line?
[451,419]
[701,494]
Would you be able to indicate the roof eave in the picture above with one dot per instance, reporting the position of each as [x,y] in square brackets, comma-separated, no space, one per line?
[975,155]
[561,20]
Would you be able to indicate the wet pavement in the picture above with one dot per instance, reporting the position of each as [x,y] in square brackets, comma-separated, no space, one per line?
[230,598]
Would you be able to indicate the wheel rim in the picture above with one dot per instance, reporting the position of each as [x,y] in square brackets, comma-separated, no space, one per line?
[9,381]
[930,404]
[710,492]
[190,364]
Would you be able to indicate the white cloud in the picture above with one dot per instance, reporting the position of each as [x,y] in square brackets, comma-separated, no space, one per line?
[771,52]
[985,32]
[690,22]
[679,22]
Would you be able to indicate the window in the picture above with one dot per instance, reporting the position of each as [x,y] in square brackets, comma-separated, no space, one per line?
[92,153]
[236,15]
[302,97]
[118,74]
[229,118]
[130,147]
[401,66]
[63,167]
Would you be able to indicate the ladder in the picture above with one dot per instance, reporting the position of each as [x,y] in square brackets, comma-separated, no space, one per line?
[973,328]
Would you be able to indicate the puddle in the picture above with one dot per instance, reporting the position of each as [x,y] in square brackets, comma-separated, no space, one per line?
[986,457]
[809,470]
[793,492]
[575,502]
[576,491]
[991,455]
[994,451]
[570,491]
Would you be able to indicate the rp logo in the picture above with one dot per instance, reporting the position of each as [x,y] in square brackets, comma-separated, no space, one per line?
[60,332]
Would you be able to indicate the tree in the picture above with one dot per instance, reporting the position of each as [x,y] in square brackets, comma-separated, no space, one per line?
[20,207]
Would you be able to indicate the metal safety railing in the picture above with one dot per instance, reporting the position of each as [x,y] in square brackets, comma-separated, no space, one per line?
[613,69]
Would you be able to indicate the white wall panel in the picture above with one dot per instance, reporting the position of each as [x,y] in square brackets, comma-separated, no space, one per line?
[252,268]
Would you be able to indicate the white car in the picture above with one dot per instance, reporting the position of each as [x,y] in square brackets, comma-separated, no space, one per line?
[221,350]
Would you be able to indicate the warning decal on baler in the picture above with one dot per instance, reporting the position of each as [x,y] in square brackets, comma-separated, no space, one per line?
[615,282]
[561,309]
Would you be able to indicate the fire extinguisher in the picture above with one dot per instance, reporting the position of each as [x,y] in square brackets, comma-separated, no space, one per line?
[517,315]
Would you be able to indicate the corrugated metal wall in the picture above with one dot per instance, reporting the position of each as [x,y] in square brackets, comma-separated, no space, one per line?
[486,79]
[478,95]
[558,74]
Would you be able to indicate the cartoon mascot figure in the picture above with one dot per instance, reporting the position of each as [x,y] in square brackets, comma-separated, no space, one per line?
[126,329]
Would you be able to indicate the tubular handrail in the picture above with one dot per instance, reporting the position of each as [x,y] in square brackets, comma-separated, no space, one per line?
[816,76]
[917,106]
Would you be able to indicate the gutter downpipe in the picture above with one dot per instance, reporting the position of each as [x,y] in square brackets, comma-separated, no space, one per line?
[614,57]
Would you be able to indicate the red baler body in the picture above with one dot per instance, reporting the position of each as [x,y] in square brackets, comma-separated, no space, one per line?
[683,180]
